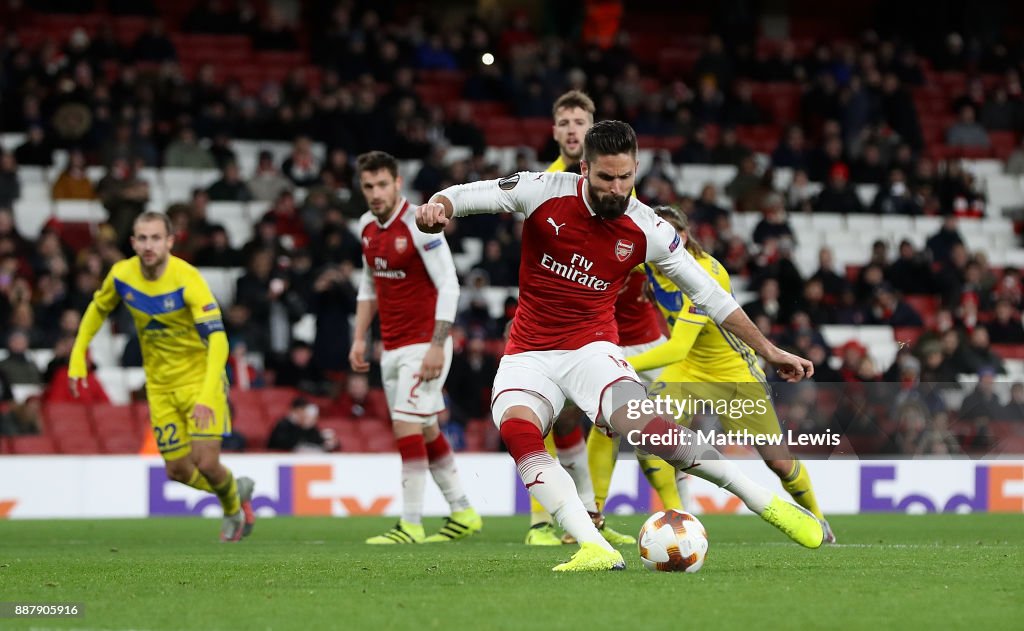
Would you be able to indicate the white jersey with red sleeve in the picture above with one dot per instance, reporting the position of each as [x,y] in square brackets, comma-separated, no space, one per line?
[409,274]
[574,262]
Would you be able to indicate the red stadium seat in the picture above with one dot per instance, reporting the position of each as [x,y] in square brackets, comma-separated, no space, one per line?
[67,417]
[254,428]
[77,443]
[277,401]
[907,334]
[1006,429]
[759,137]
[1012,445]
[140,410]
[119,443]
[677,61]
[128,28]
[1003,143]
[31,445]
[373,427]
[1009,351]
[926,306]
[379,401]
[249,418]
[114,419]
[381,443]
[442,77]
[536,131]
[346,431]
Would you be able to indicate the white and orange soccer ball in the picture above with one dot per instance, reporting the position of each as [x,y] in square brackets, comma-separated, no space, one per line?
[673,541]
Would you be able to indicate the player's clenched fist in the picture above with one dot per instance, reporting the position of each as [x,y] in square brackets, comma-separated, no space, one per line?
[431,218]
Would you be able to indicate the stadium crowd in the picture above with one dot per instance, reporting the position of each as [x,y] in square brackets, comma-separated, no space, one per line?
[127,106]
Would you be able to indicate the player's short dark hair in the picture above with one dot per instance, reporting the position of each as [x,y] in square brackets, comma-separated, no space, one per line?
[573,99]
[152,215]
[375,161]
[609,138]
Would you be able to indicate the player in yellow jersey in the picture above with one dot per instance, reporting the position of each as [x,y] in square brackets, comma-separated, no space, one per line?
[184,351]
[700,352]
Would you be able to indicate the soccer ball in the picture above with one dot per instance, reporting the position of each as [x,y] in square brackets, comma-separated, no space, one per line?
[673,541]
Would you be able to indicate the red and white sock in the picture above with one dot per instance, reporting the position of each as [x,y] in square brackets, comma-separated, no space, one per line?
[414,476]
[547,481]
[442,468]
[572,455]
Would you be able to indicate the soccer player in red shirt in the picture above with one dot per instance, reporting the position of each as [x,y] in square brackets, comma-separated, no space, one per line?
[581,237]
[407,273]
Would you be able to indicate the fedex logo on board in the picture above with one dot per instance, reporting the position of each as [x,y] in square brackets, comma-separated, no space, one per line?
[996,489]
[294,495]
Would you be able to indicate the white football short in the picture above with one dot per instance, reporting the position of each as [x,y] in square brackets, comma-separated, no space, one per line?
[410,398]
[543,380]
[648,376]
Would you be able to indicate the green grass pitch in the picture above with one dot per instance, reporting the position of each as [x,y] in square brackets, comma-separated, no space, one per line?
[933,571]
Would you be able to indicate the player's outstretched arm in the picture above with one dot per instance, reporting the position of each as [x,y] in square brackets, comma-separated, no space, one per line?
[519,192]
[789,367]
[666,252]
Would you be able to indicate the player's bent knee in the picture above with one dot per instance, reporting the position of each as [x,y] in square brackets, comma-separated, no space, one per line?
[431,432]
[620,404]
[179,470]
[521,404]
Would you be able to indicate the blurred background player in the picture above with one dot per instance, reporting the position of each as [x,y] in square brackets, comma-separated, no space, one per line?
[407,273]
[701,352]
[581,238]
[184,352]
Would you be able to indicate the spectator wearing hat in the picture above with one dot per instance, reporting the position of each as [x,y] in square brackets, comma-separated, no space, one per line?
[297,430]
[838,196]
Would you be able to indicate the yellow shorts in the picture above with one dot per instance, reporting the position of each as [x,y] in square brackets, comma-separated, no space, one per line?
[170,414]
[739,402]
